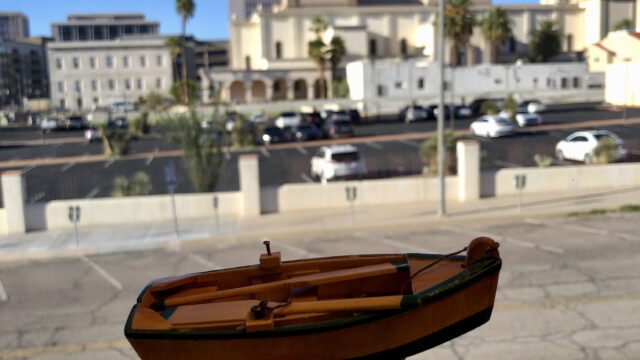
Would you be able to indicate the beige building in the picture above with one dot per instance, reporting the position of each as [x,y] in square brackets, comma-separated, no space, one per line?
[268,51]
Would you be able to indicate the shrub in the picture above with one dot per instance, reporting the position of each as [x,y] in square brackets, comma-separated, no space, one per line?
[629,208]
[543,161]
[115,142]
[429,152]
[241,134]
[606,151]
[139,126]
[510,106]
[489,107]
[138,185]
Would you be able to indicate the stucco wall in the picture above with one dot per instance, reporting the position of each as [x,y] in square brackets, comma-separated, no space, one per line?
[622,87]
[3,221]
[295,197]
[568,178]
[130,210]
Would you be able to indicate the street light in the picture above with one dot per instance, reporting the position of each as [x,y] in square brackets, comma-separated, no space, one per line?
[441,150]
[626,85]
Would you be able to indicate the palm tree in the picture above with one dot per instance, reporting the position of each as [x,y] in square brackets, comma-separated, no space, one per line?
[173,43]
[317,52]
[545,42]
[337,51]
[496,28]
[458,26]
[185,9]
[624,24]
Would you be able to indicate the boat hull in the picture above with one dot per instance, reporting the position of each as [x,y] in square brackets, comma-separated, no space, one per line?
[444,312]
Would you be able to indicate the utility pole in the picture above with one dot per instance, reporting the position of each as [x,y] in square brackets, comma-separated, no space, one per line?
[441,118]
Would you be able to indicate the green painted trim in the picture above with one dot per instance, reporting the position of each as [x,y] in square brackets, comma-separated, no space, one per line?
[166,313]
[402,267]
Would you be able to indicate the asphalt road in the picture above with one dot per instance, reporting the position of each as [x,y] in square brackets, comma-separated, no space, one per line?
[569,289]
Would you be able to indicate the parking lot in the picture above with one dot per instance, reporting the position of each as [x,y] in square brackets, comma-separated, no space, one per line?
[569,288]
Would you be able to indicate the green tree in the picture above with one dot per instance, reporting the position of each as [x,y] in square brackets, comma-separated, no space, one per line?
[177,92]
[337,51]
[496,29]
[510,106]
[624,24]
[202,147]
[318,52]
[154,102]
[458,26]
[115,142]
[606,150]
[174,45]
[545,42]
[185,8]
[429,152]
[138,185]
[489,107]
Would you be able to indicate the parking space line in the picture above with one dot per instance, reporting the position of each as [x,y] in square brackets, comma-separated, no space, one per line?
[504,163]
[203,261]
[110,279]
[567,226]
[410,143]
[297,250]
[402,245]
[500,238]
[302,150]
[264,152]
[373,145]
[37,197]
[109,163]
[306,178]
[67,167]
[3,293]
[93,192]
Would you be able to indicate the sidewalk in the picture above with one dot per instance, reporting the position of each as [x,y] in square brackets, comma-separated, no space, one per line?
[95,240]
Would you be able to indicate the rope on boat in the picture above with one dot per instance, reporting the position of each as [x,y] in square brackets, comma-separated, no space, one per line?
[404,286]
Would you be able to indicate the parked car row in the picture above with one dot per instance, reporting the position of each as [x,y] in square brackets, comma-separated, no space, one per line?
[415,112]
[57,122]
[292,126]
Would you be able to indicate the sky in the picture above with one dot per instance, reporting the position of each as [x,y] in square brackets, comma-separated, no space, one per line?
[210,20]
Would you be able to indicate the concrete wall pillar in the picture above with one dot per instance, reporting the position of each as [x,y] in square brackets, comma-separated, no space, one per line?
[250,184]
[14,196]
[248,95]
[468,153]
[290,90]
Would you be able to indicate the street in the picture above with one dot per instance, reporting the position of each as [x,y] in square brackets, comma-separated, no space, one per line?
[569,288]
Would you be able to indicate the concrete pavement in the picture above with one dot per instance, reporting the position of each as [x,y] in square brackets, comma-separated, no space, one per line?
[231,230]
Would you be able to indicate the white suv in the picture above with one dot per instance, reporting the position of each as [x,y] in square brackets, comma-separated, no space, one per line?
[337,161]
[580,146]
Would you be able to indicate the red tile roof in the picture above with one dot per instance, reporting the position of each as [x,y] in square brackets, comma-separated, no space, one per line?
[604,48]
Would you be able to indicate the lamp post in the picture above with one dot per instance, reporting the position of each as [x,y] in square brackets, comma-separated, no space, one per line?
[441,150]
[626,85]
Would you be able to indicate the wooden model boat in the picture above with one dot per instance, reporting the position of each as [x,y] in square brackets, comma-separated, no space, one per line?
[343,307]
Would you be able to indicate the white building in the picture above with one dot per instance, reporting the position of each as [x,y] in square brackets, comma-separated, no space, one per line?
[269,50]
[90,73]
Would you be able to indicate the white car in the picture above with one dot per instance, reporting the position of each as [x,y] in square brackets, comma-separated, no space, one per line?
[49,123]
[288,119]
[580,145]
[492,126]
[531,106]
[524,118]
[92,134]
[337,161]
[258,118]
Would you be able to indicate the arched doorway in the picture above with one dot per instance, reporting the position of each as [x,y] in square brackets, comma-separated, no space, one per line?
[279,90]
[317,94]
[300,89]
[258,91]
[236,92]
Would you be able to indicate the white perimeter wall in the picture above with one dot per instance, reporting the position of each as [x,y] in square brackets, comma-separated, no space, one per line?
[130,210]
[3,221]
[313,196]
[569,178]
[622,85]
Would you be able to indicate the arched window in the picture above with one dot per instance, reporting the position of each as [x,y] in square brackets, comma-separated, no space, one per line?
[404,50]
[373,48]
[278,50]
[570,43]
[247,62]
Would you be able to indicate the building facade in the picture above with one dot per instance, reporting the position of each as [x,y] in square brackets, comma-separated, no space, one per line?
[210,54]
[101,59]
[13,26]
[23,72]
[269,50]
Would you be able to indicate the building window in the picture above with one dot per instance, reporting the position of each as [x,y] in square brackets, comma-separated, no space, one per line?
[61,86]
[381,90]
[77,85]
[125,61]
[159,60]
[564,83]
[94,85]
[109,61]
[404,50]
[551,83]
[143,61]
[92,62]
[535,83]
[139,84]
[59,63]
[576,82]
[420,83]
[79,103]
[569,43]
[127,84]
[159,83]
[373,48]
[247,62]
[278,50]
[96,101]
[512,44]
[63,104]
[596,59]
[398,84]
[112,85]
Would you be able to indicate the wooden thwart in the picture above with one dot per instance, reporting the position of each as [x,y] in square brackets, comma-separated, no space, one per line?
[301,281]
[363,304]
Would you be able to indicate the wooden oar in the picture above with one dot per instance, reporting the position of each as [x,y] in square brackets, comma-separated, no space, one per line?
[380,303]
[301,281]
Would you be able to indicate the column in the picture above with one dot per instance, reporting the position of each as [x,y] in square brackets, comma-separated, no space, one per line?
[14,196]
[290,90]
[250,184]
[247,92]
[468,153]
